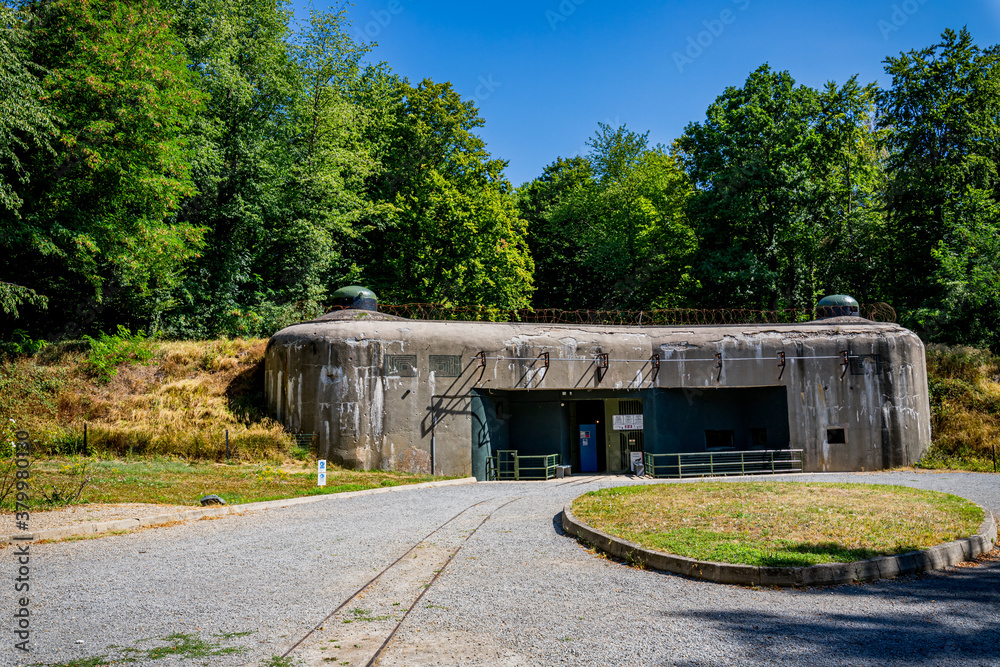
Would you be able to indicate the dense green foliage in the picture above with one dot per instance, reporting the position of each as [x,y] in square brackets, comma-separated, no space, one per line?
[611,231]
[943,117]
[783,199]
[95,211]
[196,168]
[448,231]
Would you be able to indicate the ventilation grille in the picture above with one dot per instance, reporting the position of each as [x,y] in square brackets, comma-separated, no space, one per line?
[630,407]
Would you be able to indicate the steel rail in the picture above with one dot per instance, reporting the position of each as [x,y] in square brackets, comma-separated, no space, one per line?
[377,577]
[437,574]
[679,361]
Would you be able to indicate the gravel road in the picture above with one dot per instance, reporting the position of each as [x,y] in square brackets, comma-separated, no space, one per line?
[518,593]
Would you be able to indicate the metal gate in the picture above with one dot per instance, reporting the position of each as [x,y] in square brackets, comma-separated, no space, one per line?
[629,441]
[506,464]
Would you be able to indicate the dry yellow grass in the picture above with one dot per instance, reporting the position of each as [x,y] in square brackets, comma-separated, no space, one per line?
[180,402]
[965,407]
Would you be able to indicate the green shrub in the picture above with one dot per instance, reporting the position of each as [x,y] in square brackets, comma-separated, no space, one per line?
[301,453]
[8,438]
[108,352]
[22,344]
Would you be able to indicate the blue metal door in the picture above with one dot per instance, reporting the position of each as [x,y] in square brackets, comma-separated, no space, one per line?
[588,447]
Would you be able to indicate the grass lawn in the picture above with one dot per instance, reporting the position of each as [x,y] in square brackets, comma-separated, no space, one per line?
[779,523]
[175,482]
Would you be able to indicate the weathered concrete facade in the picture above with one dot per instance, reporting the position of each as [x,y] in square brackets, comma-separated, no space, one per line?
[388,393]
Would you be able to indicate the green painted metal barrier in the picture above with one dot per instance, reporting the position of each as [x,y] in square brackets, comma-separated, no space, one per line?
[509,465]
[506,464]
[541,466]
[712,464]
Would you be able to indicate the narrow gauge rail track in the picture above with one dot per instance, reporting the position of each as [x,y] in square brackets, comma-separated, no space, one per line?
[576,482]
[437,574]
[409,577]
[586,480]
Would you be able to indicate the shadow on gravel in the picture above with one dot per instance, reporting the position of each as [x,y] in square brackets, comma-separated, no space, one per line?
[557,524]
[970,585]
[941,618]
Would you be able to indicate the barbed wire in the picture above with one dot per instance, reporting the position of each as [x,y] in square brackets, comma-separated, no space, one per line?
[877,312]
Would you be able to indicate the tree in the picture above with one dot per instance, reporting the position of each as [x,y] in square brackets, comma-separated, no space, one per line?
[98,208]
[556,235]
[852,254]
[780,171]
[25,121]
[448,229]
[12,296]
[942,119]
[638,235]
[666,242]
[239,53]
[25,125]
[609,231]
[326,204]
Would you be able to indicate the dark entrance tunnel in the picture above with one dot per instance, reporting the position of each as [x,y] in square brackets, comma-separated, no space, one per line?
[540,422]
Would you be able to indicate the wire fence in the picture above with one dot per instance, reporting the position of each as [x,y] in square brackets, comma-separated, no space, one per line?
[877,312]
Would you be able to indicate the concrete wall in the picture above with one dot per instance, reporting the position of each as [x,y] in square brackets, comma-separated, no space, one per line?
[398,394]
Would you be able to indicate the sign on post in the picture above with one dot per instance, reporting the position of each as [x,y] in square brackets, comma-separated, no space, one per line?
[321,473]
[636,464]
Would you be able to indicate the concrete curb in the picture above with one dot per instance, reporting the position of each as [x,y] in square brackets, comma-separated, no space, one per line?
[203,512]
[827,574]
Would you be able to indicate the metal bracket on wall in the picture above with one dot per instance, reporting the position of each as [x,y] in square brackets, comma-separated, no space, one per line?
[781,364]
[718,364]
[602,366]
[846,363]
[481,356]
[655,359]
[544,356]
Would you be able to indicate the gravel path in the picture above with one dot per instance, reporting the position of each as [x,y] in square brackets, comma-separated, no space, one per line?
[91,513]
[518,593]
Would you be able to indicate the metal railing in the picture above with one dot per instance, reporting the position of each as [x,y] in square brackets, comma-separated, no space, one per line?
[712,464]
[509,465]
[544,466]
[505,464]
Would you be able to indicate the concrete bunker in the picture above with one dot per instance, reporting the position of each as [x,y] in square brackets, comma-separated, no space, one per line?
[447,396]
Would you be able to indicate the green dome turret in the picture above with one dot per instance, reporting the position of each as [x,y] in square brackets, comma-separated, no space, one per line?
[837,305]
[355,297]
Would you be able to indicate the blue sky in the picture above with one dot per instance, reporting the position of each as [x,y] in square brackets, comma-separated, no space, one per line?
[544,73]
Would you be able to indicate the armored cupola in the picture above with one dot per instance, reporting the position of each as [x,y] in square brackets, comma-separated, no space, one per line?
[837,305]
[355,297]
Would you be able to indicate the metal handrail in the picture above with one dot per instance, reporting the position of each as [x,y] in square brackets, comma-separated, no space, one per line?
[547,469]
[711,464]
[506,464]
